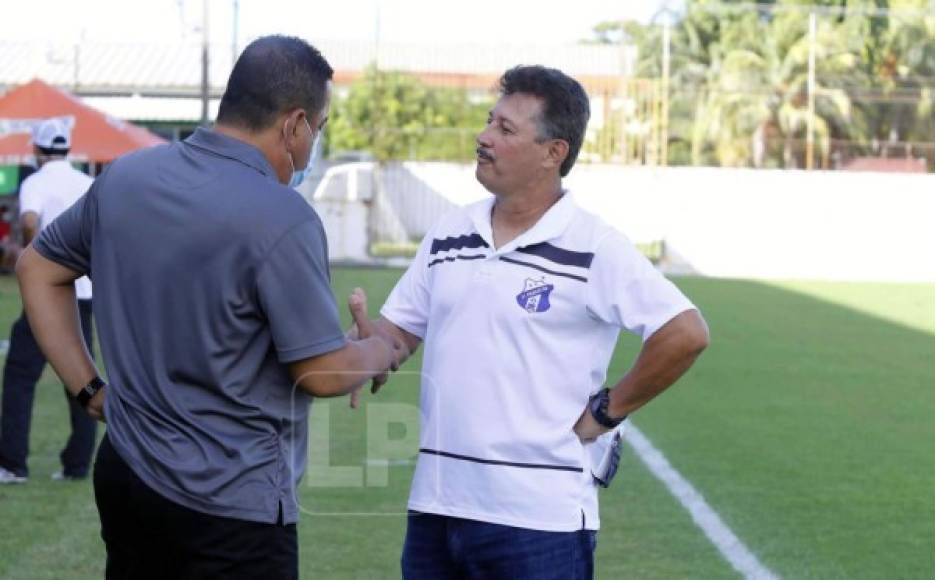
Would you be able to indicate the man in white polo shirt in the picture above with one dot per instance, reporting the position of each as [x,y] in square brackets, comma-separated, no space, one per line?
[519,299]
[43,196]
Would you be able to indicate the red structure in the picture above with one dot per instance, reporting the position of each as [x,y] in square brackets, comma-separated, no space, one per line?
[96,137]
[886,165]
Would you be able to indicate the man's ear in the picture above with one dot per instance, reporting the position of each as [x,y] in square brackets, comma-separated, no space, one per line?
[291,122]
[556,153]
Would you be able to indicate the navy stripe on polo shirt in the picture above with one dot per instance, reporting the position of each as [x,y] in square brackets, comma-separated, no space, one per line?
[457,243]
[540,268]
[552,259]
[559,255]
[458,257]
[454,248]
[521,465]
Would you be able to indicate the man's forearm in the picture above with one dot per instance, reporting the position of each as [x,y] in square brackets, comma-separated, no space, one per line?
[410,341]
[339,372]
[28,235]
[665,357]
[49,301]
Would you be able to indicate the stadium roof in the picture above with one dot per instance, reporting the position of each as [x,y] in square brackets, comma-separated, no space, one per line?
[102,68]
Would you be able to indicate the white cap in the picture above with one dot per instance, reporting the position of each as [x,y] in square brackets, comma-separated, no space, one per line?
[52,134]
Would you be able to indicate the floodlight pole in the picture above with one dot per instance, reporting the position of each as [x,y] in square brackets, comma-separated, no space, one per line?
[810,137]
[666,58]
[236,25]
[625,85]
[204,65]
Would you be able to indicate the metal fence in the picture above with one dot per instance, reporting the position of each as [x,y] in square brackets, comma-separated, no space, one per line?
[715,83]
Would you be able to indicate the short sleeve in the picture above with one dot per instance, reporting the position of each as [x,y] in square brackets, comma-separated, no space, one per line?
[624,289]
[67,240]
[294,292]
[30,198]
[408,305]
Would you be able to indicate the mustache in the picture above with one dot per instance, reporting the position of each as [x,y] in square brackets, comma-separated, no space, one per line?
[484,154]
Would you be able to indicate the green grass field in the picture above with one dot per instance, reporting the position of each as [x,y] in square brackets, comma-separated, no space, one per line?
[808,426]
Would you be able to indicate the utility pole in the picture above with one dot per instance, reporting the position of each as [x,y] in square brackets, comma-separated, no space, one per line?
[810,137]
[204,64]
[607,147]
[236,11]
[666,59]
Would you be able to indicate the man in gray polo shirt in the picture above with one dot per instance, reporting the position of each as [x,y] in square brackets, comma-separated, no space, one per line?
[213,300]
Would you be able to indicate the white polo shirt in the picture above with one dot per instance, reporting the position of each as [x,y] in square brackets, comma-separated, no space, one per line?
[49,192]
[516,341]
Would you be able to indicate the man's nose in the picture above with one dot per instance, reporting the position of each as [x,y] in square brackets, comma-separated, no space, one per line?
[483,139]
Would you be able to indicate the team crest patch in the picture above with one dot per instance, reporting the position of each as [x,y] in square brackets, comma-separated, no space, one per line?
[535,297]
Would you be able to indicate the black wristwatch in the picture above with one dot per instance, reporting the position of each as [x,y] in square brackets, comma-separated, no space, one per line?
[85,395]
[598,405]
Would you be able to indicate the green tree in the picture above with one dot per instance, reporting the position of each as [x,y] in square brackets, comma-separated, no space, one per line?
[738,85]
[756,107]
[894,75]
[394,115]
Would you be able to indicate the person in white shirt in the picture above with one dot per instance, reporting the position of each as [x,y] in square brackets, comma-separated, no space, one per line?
[519,299]
[43,196]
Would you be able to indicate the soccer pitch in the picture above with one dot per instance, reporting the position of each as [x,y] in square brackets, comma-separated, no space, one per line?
[807,426]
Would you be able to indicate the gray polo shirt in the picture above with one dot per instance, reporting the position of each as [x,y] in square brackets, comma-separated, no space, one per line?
[209,276]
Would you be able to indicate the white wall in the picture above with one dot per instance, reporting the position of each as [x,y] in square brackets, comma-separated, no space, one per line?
[756,223]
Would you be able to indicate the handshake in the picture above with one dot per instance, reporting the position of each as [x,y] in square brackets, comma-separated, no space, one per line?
[391,344]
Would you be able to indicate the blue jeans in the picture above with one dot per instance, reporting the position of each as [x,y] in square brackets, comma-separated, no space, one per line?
[441,547]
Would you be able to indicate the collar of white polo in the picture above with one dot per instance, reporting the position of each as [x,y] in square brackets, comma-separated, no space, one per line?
[551,225]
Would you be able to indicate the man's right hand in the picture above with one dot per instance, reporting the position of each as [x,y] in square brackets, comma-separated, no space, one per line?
[357,304]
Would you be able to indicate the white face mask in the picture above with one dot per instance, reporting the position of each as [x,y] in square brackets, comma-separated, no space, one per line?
[299,175]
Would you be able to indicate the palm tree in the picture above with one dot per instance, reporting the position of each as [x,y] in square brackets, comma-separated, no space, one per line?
[757,92]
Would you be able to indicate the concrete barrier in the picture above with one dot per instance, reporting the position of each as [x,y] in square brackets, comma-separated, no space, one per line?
[731,222]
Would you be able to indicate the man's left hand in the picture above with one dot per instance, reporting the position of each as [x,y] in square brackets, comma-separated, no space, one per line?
[95,406]
[587,428]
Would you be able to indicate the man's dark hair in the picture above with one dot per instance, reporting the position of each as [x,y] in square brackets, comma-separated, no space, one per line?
[274,74]
[565,107]
[49,152]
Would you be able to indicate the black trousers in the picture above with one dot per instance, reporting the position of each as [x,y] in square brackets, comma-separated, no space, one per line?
[23,368]
[149,537]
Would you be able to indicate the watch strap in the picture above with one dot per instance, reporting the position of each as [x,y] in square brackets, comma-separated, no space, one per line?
[85,395]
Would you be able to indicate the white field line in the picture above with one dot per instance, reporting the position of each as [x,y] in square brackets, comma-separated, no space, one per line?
[726,542]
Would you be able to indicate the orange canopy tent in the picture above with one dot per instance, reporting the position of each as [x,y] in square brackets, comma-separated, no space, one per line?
[96,137]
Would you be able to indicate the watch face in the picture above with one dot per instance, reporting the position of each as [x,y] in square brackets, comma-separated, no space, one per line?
[599,405]
[596,405]
[85,395]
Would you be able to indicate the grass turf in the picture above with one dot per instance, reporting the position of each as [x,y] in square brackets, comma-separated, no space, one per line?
[807,426]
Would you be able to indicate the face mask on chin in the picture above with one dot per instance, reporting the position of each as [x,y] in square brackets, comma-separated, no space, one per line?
[299,175]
